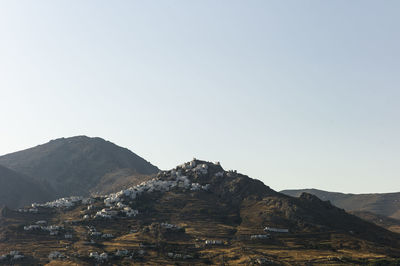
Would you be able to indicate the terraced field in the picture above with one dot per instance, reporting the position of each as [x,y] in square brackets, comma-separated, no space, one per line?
[183,226]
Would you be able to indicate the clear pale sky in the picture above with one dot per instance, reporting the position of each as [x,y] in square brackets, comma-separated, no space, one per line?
[299,94]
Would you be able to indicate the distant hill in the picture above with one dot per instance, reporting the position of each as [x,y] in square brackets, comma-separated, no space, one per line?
[387,204]
[17,190]
[381,220]
[79,165]
[196,214]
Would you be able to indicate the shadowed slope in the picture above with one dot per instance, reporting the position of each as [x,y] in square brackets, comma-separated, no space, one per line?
[17,190]
[74,166]
[381,220]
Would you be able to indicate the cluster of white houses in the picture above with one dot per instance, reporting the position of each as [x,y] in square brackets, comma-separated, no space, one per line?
[99,257]
[219,174]
[176,180]
[121,253]
[170,226]
[94,233]
[264,236]
[154,185]
[108,213]
[201,169]
[102,257]
[52,229]
[60,203]
[179,256]
[30,210]
[11,256]
[197,187]
[56,255]
[214,242]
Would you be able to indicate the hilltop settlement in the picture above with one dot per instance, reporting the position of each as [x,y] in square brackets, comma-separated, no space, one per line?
[196,213]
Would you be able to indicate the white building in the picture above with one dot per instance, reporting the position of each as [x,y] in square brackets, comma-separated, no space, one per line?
[276,230]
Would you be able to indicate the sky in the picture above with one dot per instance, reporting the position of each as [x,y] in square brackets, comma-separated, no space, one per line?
[298,94]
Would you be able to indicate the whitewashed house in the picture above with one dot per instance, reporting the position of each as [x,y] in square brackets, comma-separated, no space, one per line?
[276,230]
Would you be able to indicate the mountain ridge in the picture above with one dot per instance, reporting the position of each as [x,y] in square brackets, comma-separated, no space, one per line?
[387,204]
[78,165]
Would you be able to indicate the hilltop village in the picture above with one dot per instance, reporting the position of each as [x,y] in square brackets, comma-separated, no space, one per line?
[189,214]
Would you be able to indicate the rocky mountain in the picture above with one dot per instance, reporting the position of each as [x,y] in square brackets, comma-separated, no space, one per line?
[80,165]
[18,190]
[196,213]
[386,204]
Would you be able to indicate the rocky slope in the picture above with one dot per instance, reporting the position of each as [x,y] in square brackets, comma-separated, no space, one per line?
[18,190]
[79,165]
[387,204]
[196,213]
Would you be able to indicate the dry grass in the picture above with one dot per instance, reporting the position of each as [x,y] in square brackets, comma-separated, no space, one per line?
[193,214]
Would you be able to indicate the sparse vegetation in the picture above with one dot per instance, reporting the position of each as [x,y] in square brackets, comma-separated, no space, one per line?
[216,225]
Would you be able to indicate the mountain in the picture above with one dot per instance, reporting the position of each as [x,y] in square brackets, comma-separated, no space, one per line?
[79,165]
[386,204]
[18,190]
[383,221]
[194,214]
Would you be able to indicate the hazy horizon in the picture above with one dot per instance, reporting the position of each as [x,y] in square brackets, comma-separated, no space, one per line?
[296,94]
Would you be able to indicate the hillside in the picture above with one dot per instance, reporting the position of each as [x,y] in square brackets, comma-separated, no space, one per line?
[79,165]
[196,213]
[383,221]
[387,204]
[17,190]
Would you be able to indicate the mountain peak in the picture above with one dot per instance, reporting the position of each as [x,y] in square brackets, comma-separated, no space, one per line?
[75,165]
[78,139]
